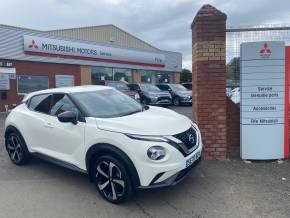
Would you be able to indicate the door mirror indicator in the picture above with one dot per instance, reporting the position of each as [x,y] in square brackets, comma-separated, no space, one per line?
[68,117]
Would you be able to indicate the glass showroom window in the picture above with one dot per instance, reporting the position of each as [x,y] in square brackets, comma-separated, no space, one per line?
[122,75]
[164,77]
[101,73]
[147,76]
[27,84]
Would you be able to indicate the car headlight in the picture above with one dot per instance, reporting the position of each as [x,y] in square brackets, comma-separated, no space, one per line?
[156,152]
[148,138]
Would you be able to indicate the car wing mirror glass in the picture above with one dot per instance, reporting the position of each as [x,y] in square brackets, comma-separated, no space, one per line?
[68,117]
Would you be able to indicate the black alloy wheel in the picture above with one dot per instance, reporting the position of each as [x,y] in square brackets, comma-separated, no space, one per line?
[16,149]
[112,179]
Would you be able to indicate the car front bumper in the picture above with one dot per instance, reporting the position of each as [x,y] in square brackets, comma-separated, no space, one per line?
[160,101]
[173,180]
[186,100]
[174,176]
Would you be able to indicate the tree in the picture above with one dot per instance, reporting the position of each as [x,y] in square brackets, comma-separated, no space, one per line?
[185,76]
[233,71]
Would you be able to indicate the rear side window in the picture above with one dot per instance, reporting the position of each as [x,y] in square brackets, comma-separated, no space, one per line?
[41,103]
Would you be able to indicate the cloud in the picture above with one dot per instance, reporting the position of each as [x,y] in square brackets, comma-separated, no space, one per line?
[163,23]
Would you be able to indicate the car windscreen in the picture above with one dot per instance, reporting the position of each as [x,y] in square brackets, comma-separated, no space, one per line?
[149,88]
[107,103]
[178,87]
[119,86]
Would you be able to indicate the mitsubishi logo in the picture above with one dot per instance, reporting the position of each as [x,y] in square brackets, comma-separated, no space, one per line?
[190,138]
[265,50]
[33,44]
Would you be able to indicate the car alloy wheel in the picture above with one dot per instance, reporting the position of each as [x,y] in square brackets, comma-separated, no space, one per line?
[16,149]
[111,180]
[176,101]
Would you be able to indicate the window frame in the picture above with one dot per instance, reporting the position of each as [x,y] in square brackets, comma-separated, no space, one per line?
[17,81]
[82,113]
[29,101]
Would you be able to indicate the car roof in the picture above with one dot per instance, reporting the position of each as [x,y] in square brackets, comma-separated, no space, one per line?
[70,89]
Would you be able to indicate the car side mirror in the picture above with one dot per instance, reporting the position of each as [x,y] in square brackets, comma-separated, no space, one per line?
[68,117]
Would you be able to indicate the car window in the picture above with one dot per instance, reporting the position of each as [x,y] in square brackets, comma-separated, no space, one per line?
[133,87]
[107,103]
[163,87]
[61,103]
[149,87]
[120,86]
[178,87]
[40,103]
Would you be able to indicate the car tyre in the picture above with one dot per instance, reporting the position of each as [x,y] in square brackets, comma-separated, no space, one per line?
[16,148]
[176,101]
[144,101]
[112,179]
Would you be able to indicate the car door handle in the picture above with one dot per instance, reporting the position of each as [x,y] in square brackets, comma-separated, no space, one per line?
[48,125]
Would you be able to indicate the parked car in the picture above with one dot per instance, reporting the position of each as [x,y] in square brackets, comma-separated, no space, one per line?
[187,85]
[121,144]
[180,94]
[122,87]
[235,95]
[228,92]
[151,94]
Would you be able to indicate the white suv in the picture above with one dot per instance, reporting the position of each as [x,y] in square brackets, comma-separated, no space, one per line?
[98,130]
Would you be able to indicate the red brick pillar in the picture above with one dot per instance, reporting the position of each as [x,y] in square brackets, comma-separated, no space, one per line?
[209,79]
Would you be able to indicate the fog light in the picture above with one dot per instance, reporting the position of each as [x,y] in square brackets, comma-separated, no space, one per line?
[156,153]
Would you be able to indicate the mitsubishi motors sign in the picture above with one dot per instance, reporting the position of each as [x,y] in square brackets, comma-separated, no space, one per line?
[264,101]
[48,47]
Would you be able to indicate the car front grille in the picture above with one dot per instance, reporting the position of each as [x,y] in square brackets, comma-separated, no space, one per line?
[188,138]
[164,98]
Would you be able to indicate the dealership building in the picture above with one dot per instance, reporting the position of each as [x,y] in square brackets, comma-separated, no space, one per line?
[33,60]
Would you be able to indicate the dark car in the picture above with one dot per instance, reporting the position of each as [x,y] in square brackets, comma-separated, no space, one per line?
[122,87]
[151,94]
[187,85]
[179,93]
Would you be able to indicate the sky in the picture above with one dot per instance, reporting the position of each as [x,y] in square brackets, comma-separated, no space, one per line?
[163,23]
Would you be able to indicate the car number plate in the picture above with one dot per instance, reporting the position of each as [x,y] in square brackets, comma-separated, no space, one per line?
[191,160]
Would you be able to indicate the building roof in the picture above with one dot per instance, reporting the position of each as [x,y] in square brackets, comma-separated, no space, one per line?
[104,34]
[11,38]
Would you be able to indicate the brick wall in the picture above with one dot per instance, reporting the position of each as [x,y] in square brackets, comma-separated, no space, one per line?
[37,68]
[86,75]
[209,80]
[177,77]
[136,76]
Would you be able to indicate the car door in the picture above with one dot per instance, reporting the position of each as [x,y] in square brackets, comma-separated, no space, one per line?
[35,133]
[66,139]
